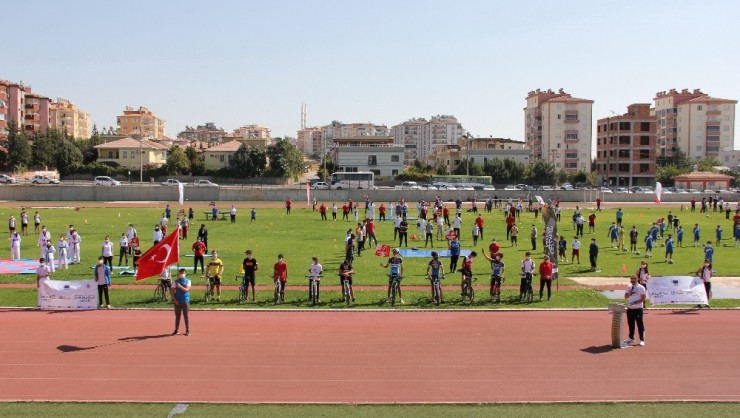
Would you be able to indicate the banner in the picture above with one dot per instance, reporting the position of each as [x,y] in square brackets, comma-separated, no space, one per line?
[658,192]
[181,190]
[383,250]
[58,295]
[308,195]
[551,237]
[181,212]
[668,290]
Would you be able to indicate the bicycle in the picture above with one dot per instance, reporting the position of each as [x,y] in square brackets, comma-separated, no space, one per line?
[242,293]
[313,289]
[468,293]
[395,288]
[209,289]
[436,289]
[527,295]
[278,291]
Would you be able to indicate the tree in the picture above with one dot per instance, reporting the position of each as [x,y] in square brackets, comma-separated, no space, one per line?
[197,165]
[67,156]
[515,168]
[177,161]
[286,161]
[43,150]
[19,150]
[496,169]
[248,162]
[542,172]
[441,170]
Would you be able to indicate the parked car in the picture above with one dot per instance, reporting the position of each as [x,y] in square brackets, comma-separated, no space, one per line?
[429,187]
[511,187]
[171,182]
[320,185]
[605,190]
[106,181]
[489,188]
[38,179]
[409,185]
[621,190]
[4,178]
[204,183]
[693,191]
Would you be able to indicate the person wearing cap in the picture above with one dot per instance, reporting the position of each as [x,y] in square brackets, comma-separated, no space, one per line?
[180,292]
[250,266]
[593,253]
[396,265]
[546,269]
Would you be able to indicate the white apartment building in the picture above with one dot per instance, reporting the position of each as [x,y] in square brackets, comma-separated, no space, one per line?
[420,137]
[694,122]
[347,130]
[368,153]
[558,128]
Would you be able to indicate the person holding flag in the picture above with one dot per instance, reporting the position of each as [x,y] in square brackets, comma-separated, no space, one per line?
[180,292]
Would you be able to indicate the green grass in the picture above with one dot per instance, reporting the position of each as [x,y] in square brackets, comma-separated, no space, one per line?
[302,234]
[668,409]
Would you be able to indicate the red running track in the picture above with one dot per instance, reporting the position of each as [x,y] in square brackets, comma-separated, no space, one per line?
[365,357]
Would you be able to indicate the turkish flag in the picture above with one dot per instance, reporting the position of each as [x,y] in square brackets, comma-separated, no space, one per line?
[383,250]
[156,259]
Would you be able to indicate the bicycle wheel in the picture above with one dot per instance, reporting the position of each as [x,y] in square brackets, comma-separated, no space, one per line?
[209,295]
[242,294]
[158,293]
[277,292]
[529,296]
[468,295]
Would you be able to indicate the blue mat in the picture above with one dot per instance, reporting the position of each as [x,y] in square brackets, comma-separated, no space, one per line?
[413,252]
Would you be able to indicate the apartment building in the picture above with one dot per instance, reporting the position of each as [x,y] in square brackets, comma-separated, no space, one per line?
[375,153]
[309,141]
[67,118]
[349,130]
[420,137]
[694,122]
[4,110]
[208,133]
[141,121]
[18,102]
[132,153]
[557,128]
[478,150]
[626,148]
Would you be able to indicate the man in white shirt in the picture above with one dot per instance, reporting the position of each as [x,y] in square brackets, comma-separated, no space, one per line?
[576,250]
[635,295]
[315,270]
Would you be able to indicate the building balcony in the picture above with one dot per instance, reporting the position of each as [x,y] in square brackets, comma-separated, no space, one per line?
[571,121]
[714,112]
[713,123]
[571,140]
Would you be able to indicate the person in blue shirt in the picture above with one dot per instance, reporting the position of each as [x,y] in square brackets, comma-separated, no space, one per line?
[180,292]
[669,249]
[619,217]
[679,235]
[697,235]
[168,212]
[436,271]
[253,216]
[396,271]
[454,253]
[102,279]
[654,232]
[648,246]
[709,252]
[613,234]
[718,233]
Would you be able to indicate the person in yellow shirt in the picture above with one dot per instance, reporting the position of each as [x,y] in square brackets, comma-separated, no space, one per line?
[214,272]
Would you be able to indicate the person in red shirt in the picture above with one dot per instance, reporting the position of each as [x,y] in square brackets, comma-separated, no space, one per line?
[494,248]
[598,204]
[446,215]
[479,221]
[546,268]
[510,221]
[381,210]
[693,204]
[322,211]
[592,223]
[345,212]
[467,269]
[280,273]
[370,229]
[199,249]
[288,204]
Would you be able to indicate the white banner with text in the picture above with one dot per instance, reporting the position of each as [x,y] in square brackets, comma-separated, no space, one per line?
[76,295]
[669,290]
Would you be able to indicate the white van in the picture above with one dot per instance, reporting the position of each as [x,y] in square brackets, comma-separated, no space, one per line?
[106,181]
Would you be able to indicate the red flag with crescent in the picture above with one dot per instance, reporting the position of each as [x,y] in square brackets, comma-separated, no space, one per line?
[159,257]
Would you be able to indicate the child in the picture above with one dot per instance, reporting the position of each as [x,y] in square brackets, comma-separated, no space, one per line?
[718,233]
[137,254]
[50,256]
[62,247]
[562,247]
[648,246]
[669,249]
[679,235]
[476,232]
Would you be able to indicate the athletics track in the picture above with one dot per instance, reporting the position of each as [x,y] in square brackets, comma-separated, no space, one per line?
[365,357]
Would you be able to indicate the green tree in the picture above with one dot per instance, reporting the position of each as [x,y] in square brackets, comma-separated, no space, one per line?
[286,161]
[476,169]
[197,165]
[42,152]
[177,161]
[542,172]
[665,174]
[248,162]
[707,164]
[497,170]
[67,156]
[19,150]
[441,170]
[515,168]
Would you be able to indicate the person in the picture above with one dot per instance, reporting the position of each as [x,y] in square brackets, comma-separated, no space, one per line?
[180,292]
[191,214]
[62,246]
[49,251]
[669,249]
[643,274]
[709,252]
[456,222]
[122,249]
[598,207]
[575,250]
[620,239]
[361,233]
[370,228]
[214,213]
[11,224]
[679,236]
[280,273]
[527,272]
[42,272]
[107,252]
[466,272]
[250,266]
[403,228]
[322,211]
[593,253]
[705,274]
[213,273]
[633,239]
[315,270]
[381,212]
[163,222]
[232,214]
[440,227]
[203,235]
[102,278]
[75,244]
[130,235]
[396,271]
[514,235]
[454,245]
[648,245]
[333,211]
[199,251]
[15,245]
[24,222]
[718,235]
[168,212]
[697,235]
[346,272]
[157,235]
[620,215]
[579,224]
[44,236]
[435,271]
[166,283]
[592,223]
[476,233]
[497,275]
[136,254]
[693,204]
[546,269]
[562,248]
[349,246]
[253,216]
[613,234]
[494,248]
[184,226]
[36,222]
[510,221]
[480,222]
[429,234]
[635,295]
[533,237]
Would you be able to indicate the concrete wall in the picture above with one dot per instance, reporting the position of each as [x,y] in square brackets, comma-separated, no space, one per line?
[207,194]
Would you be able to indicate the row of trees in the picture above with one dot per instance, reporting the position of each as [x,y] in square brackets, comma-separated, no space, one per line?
[54,149]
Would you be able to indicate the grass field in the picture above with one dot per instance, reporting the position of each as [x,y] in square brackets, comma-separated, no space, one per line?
[669,409]
[302,234]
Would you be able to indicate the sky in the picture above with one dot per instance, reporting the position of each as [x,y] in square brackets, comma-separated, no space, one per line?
[255,61]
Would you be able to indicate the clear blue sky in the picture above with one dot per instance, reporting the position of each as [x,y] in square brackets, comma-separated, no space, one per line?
[243,62]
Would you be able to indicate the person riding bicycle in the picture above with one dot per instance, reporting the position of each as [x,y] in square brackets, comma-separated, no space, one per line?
[527,271]
[395,273]
[466,272]
[280,274]
[435,271]
[497,275]
[346,272]
[250,266]
[315,270]
[166,283]
[213,273]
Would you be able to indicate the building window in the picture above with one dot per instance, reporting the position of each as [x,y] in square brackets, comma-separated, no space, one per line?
[699,107]
[372,160]
[395,158]
[394,172]
[571,136]
[125,155]
[625,126]
[221,158]
[644,126]
[110,154]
